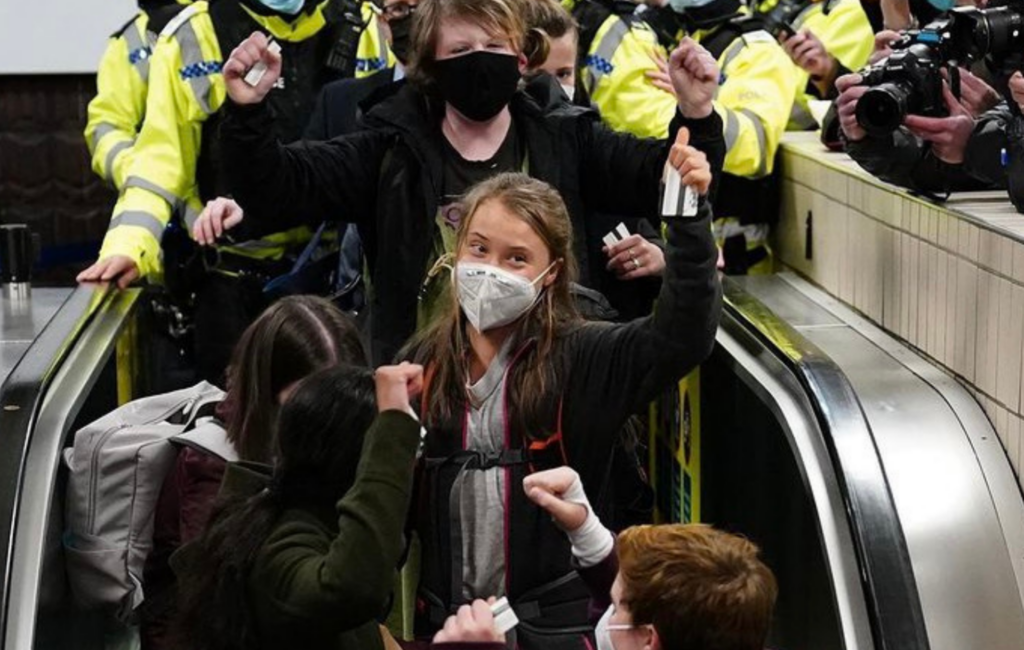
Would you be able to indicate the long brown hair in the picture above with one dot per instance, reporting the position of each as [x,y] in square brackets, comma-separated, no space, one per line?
[291,339]
[441,347]
[495,16]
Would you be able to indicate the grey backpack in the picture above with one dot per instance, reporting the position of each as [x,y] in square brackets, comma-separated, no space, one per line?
[117,469]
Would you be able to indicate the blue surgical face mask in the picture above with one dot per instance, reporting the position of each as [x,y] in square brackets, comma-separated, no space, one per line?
[942,5]
[286,7]
[680,6]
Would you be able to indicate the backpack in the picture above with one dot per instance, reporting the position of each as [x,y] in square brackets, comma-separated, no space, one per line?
[117,468]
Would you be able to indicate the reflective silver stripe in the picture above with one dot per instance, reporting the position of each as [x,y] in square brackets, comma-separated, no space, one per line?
[600,62]
[762,140]
[192,54]
[142,183]
[382,43]
[801,118]
[103,129]
[138,45]
[140,220]
[804,15]
[191,216]
[732,53]
[732,128]
[112,155]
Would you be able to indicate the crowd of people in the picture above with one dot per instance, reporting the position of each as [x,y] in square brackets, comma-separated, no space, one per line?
[471,197]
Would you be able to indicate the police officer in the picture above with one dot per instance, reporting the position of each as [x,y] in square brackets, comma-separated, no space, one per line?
[831,38]
[755,97]
[175,166]
[117,111]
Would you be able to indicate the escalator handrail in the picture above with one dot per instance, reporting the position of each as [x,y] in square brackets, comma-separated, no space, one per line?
[21,397]
[887,576]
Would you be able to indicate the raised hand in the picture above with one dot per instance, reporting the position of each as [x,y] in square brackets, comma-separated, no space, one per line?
[254,49]
[690,163]
[694,76]
[398,386]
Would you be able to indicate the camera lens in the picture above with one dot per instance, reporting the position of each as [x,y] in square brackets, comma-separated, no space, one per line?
[881,109]
[998,34]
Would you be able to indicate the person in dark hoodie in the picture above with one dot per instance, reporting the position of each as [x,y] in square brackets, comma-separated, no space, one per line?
[463,119]
[303,555]
[517,382]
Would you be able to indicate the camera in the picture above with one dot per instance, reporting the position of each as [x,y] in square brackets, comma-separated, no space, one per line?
[995,34]
[909,81]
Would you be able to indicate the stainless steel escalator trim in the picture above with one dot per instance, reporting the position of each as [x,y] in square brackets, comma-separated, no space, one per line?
[63,400]
[779,390]
[887,575]
[20,399]
[1003,488]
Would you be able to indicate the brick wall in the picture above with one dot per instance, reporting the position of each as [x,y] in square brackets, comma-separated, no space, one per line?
[45,177]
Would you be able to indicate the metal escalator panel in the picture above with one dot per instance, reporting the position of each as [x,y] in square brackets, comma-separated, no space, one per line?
[54,382]
[934,511]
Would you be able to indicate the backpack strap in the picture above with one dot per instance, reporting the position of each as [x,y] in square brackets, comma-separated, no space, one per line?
[210,438]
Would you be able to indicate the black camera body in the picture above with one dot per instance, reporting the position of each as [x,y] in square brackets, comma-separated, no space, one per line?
[995,34]
[908,82]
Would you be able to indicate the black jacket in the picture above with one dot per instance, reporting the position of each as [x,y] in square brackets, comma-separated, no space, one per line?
[904,159]
[603,373]
[388,180]
[339,108]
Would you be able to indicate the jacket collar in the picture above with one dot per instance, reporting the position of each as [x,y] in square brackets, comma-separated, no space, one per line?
[294,30]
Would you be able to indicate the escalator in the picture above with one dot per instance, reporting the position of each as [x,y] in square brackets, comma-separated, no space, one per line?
[874,484]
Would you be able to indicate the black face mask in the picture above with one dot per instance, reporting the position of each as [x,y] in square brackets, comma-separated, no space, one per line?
[401,32]
[479,84]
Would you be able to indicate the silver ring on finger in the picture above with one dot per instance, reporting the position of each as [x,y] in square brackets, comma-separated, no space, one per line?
[636,264]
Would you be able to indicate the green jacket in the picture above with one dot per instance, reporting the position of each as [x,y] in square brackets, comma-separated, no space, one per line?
[323,577]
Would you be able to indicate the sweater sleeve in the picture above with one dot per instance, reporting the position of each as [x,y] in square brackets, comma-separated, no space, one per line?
[983,158]
[905,160]
[336,177]
[345,583]
[623,367]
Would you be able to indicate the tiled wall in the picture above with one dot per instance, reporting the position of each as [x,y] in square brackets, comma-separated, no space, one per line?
[949,280]
[45,179]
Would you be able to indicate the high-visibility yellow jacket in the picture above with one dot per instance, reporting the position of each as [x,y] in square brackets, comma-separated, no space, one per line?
[186,88]
[754,99]
[122,81]
[844,30]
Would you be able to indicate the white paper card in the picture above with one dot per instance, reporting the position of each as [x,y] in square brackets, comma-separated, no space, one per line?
[255,73]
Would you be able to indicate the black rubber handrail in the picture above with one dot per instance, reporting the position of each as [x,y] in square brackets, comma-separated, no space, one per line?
[887,576]
[21,397]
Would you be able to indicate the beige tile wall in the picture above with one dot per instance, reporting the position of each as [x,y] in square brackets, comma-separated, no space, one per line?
[948,280]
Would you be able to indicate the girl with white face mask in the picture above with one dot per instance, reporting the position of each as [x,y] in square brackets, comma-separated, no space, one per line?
[516,382]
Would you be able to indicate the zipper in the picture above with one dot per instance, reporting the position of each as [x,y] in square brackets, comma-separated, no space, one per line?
[104,437]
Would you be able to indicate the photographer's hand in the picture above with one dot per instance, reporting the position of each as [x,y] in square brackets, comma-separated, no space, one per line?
[1017,89]
[948,135]
[975,95]
[808,52]
[850,92]
[883,45]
